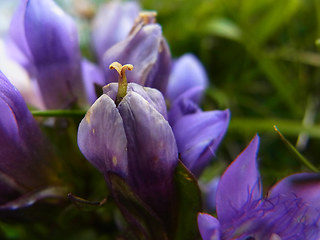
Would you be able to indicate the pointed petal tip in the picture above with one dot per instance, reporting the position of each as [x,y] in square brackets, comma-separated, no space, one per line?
[240,183]
[209,227]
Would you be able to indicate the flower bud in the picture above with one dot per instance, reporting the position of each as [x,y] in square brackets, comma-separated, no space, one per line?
[24,156]
[133,139]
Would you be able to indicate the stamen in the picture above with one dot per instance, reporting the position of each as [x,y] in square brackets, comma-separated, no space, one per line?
[147,17]
[144,18]
[122,82]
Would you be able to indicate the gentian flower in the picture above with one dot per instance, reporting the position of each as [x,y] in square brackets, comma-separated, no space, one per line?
[147,50]
[125,132]
[44,40]
[291,209]
[112,24]
[25,159]
[197,133]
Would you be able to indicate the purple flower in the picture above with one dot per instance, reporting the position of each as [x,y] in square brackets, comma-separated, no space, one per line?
[291,210]
[147,50]
[198,134]
[112,24]
[25,160]
[44,40]
[126,132]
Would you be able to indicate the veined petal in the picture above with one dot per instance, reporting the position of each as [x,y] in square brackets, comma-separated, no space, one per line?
[240,184]
[151,149]
[151,95]
[143,50]
[52,39]
[102,139]
[112,24]
[209,227]
[301,185]
[198,136]
[187,72]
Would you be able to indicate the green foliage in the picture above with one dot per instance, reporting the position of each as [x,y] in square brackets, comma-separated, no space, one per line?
[188,204]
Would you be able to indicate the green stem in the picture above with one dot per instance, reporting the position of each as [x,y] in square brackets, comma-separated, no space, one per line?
[59,113]
[296,152]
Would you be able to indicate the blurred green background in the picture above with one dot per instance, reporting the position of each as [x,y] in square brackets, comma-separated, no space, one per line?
[263,63]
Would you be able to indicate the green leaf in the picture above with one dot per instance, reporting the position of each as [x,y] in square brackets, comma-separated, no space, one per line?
[224,27]
[189,204]
[143,221]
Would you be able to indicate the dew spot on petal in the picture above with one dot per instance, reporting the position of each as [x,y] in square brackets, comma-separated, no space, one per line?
[114,161]
[87,117]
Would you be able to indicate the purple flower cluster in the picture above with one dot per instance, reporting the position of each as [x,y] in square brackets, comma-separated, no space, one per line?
[147,119]
[290,210]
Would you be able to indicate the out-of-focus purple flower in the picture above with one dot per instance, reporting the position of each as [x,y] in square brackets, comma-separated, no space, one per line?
[93,77]
[187,73]
[24,157]
[147,50]
[132,138]
[210,191]
[291,210]
[19,77]
[44,40]
[112,24]
[198,133]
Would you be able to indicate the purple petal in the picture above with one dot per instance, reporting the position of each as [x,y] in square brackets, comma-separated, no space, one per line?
[102,139]
[209,227]
[92,76]
[19,77]
[112,24]
[18,44]
[151,95]
[240,184]
[24,156]
[151,149]
[52,40]
[198,136]
[187,73]
[159,74]
[147,52]
[302,185]
[185,104]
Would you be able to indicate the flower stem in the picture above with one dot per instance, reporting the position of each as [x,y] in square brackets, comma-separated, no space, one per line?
[59,113]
